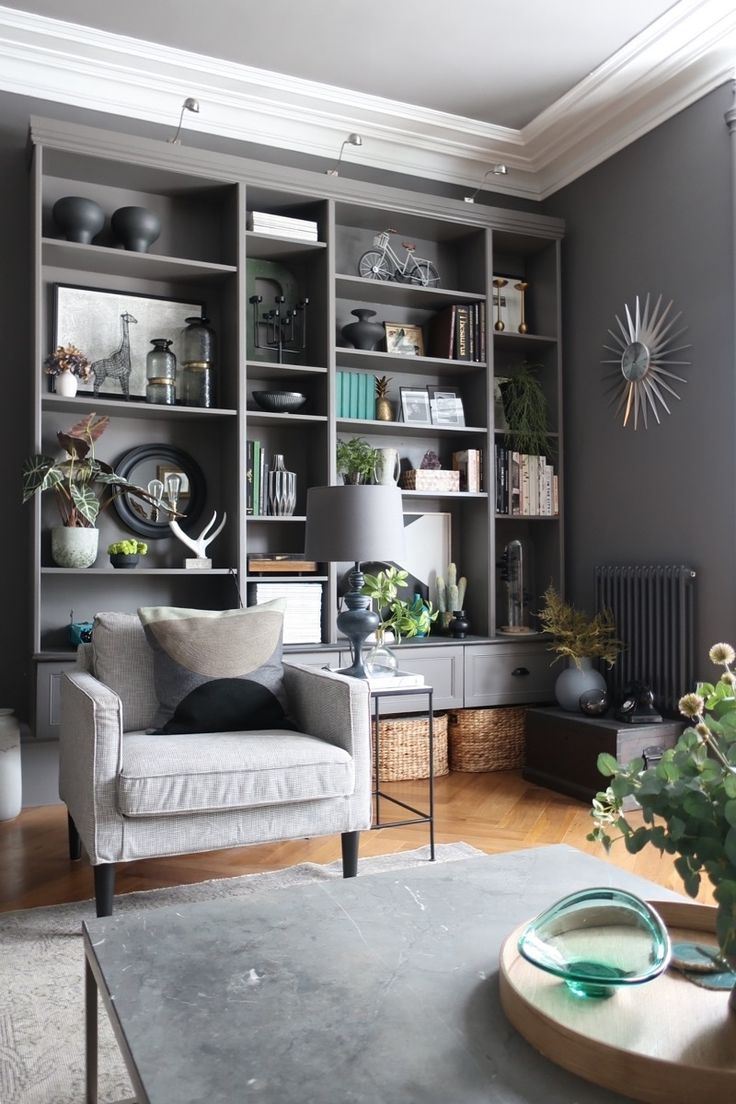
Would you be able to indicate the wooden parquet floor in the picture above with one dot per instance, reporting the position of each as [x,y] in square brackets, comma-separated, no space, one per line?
[494,812]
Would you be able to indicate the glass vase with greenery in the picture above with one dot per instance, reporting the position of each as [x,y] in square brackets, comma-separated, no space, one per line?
[403,619]
[356,460]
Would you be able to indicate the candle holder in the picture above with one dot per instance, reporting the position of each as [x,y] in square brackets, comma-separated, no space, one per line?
[498,283]
[521,288]
[281,329]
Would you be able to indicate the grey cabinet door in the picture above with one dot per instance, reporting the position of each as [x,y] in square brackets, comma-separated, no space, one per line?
[443,671]
[323,658]
[508,674]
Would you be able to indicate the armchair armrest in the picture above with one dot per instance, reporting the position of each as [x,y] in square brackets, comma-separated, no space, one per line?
[332,707]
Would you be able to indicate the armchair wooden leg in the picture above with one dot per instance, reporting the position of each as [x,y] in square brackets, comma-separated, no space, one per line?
[75,844]
[350,845]
[104,888]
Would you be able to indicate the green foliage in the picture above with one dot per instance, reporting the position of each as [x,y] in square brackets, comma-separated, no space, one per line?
[526,412]
[576,635]
[403,618]
[688,800]
[127,548]
[357,459]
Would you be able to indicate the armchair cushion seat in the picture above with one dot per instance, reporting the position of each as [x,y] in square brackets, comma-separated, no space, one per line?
[207,772]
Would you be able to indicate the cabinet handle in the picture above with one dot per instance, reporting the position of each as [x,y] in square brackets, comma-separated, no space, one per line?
[519,671]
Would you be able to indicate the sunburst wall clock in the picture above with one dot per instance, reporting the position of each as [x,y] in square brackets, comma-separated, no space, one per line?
[645,344]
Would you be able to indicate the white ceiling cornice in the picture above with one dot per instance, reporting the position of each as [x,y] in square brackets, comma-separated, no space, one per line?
[690,50]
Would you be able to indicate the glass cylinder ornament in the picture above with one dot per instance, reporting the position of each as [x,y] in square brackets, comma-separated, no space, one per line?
[161,373]
[381,660]
[198,363]
[281,489]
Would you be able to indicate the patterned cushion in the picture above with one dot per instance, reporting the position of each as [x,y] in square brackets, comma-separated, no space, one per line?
[217,671]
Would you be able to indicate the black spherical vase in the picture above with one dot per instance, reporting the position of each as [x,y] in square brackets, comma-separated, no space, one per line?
[78,218]
[363,334]
[459,625]
[136,228]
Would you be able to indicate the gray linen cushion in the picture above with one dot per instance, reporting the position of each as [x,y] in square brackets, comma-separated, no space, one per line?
[217,671]
[123,660]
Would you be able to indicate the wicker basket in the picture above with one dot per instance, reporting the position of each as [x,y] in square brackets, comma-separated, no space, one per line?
[404,750]
[487,739]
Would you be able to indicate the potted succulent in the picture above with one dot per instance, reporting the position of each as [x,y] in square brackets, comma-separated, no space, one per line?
[126,553]
[82,486]
[687,799]
[356,460]
[580,639]
[67,364]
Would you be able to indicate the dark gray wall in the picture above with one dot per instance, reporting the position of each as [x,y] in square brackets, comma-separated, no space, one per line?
[654,218]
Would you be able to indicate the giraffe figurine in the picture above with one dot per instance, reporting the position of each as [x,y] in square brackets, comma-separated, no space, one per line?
[117,365]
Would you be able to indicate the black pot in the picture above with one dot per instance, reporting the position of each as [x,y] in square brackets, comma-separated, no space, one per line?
[122,559]
[77,218]
[136,228]
[459,625]
[363,334]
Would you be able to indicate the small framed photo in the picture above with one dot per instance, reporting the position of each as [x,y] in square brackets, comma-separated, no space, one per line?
[446,406]
[404,339]
[415,405]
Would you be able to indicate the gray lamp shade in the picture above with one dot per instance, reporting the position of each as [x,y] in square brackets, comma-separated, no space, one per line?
[356,523]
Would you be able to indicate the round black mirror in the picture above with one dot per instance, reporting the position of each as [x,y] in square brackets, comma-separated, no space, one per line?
[181,482]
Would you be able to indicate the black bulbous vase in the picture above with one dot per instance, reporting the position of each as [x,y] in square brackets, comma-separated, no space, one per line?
[136,228]
[363,334]
[78,218]
[459,625]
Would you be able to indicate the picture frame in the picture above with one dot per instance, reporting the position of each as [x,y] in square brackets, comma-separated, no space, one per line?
[446,406]
[94,320]
[510,303]
[415,408]
[404,339]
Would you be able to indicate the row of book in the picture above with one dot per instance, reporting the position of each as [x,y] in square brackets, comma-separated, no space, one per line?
[265,223]
[303,616]
[469,462]
[526,486]
[355,395]
[458,332]
[256,479]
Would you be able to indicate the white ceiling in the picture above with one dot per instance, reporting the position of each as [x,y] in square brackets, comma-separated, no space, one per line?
[438,88]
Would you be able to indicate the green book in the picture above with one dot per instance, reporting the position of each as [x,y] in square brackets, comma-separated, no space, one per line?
[256,477]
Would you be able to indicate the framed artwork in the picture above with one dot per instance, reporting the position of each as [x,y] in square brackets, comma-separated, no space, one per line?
[403,338]
[114,330]
[446,406]
[415,405]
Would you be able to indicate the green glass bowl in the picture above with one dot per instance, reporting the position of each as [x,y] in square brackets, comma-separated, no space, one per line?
[596,940]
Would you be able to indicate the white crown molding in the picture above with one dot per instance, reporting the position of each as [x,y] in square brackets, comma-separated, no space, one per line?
[677,59]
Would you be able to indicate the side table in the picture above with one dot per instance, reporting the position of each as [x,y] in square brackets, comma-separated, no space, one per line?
[562,748]
[420,816]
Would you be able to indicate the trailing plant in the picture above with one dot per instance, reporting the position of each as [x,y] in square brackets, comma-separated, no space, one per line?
[357,460]
[576,635]
[127,548]
[525,407]
[688,800]
[402,618]
[82,484]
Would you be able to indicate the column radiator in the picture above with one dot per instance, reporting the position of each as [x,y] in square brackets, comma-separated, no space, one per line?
[653,607]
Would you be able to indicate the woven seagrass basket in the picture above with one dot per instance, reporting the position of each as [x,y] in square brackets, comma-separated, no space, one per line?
[487,739]
[404,750]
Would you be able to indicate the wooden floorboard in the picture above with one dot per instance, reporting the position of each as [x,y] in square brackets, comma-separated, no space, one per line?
[494,812]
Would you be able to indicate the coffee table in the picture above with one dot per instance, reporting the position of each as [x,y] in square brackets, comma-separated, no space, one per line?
[381,989]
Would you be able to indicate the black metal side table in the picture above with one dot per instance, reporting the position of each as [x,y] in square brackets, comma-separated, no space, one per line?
[420,816]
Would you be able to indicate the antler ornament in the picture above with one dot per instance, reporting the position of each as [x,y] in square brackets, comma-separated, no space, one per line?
[198,545]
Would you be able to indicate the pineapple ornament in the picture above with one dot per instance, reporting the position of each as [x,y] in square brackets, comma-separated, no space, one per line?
[384,407]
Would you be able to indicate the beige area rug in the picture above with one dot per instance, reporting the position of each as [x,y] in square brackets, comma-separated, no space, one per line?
[42,972]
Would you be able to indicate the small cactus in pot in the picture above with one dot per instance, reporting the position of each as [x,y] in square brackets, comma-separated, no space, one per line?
[450,594]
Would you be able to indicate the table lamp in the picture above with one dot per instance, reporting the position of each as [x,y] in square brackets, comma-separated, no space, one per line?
[355,523]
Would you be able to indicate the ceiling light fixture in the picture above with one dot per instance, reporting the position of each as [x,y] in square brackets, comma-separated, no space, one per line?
[190,104]
[495,170]
[351,140]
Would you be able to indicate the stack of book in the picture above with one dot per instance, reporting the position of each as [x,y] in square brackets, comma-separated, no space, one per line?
[458,332]
[526,486]
[469,462]
[265,223]
[355,395]
[303,617]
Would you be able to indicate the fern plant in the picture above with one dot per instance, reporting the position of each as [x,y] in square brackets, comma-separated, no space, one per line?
[525,407]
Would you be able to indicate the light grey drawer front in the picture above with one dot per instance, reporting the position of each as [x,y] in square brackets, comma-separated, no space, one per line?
[443,671]
[508,674]
[314,659]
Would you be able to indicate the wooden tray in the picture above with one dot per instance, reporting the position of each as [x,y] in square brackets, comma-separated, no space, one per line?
[665,1042]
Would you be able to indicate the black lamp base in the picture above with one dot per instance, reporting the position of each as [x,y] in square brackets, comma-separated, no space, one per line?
[356,623]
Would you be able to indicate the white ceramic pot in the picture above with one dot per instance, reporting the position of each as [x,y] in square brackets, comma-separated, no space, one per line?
[11,791]
[74,547]
[388,467]
[66,384]
[574,681]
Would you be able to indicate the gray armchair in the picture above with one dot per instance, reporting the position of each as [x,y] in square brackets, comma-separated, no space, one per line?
[133,795]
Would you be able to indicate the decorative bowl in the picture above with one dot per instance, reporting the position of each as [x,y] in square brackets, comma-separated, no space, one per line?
[279,402]
[597,939]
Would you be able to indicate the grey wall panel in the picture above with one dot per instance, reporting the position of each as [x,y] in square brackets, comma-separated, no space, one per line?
[655,218]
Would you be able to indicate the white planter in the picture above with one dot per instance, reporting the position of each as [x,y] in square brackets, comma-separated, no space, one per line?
[66,385]
[574,681]
[11,791]
[74,547]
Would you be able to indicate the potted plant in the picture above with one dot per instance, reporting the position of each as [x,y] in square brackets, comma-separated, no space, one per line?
[688,799]
[82,486]
[401,618]
[525,407]
[67,364]
[580,639]
[126,553]
[356,460]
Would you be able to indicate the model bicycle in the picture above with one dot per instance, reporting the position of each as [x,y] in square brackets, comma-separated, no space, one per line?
[383,263]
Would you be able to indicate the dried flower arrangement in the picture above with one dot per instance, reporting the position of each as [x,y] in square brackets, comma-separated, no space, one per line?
[576,635]
[67,358]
